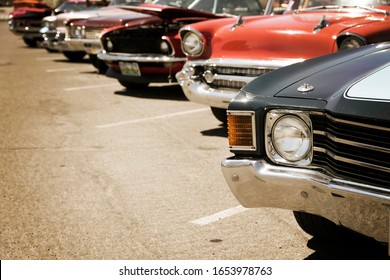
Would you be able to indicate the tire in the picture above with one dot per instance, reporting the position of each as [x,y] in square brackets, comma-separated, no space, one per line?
[74,56]
[131,86]
[319,227]
[30,42]
[220,114]
[98,63]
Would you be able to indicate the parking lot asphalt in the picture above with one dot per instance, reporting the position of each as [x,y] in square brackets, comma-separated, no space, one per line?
[90,170]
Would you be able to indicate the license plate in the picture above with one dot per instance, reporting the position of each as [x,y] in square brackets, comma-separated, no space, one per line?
[129,68]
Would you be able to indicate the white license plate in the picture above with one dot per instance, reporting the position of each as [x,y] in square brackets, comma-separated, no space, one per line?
[129,68]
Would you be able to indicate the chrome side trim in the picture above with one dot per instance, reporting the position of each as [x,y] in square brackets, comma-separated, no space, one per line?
[137,58]
[351,161]
[242,63]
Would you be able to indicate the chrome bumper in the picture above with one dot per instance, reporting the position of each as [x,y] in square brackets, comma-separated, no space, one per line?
[362,208]
[139,58]
[197,90]
[90,46]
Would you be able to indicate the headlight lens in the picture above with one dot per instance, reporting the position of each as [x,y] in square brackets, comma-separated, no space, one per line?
[289,137]
[192,44]
[351,43]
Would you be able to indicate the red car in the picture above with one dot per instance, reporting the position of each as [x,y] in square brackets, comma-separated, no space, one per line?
[224,55]
[148,50]
[25,20]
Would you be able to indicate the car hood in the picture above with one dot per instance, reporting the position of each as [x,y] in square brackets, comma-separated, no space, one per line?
[169,12]
[349,82]
[64,17]
[287,36]
[119,17]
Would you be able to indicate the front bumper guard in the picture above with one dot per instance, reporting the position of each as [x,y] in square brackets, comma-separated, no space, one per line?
[362,208]
[197,90]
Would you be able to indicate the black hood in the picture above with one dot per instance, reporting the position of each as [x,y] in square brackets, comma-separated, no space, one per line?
[328,79]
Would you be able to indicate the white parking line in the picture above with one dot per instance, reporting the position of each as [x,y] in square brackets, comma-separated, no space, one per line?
[152,118]
[47,58]
[90,87]
[68,69]
[220,215]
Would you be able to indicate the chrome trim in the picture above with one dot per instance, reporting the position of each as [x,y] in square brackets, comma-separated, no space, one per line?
[186,29]
[80,45]
[200,92]
[361,207]
[352,143]
[270,119]
[137,58]
[357,123]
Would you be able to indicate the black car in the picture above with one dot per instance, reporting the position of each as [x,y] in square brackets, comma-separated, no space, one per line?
[314,138]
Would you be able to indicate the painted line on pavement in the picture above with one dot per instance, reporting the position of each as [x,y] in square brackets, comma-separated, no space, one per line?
[152,118]
[219,216]
[90,87]
[68,69]
[47,58]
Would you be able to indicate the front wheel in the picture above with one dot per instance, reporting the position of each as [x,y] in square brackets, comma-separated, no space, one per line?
[131,86]
[74,56]
[32,43]
[319,227]
[220,114]
[99,64]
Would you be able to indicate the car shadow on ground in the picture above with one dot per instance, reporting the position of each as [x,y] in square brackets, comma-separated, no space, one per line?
[220,131]
[155,91]
[352,247]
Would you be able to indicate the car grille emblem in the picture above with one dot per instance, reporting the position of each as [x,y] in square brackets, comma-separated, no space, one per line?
[305,88]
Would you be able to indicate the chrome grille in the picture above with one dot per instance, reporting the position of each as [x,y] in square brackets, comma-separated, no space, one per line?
[229,81]
[92,33]
[353,148]
[143,39]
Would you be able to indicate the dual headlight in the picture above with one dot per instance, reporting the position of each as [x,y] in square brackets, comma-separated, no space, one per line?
[192,43]
[288,135]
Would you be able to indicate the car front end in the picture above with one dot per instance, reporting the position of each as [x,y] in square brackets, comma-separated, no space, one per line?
[313,138]
[152,52]
[224,59]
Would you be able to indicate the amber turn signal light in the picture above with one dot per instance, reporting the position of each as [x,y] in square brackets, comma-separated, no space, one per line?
[241,130]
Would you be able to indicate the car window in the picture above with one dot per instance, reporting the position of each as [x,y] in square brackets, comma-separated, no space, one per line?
[365,3]
[240,7]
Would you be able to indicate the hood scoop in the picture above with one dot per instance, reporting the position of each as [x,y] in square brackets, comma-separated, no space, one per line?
[323,23]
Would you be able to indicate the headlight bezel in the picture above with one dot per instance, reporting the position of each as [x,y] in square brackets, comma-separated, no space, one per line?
[275,151]
[350,42]
[188,48]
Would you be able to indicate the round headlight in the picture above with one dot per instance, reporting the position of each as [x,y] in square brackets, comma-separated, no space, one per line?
[192,44]
[291,138]
[109,45]
[164,47]
[351,43]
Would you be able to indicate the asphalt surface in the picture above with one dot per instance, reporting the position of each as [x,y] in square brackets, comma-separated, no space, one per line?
[91,171]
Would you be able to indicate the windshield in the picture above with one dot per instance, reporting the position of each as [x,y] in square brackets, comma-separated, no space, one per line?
[361,3]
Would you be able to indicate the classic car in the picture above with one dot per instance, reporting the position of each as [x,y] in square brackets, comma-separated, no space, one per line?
[313,137]
[25,19]
[53,28]
[82,35]
[51,36]
[225,55]
[138,54]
